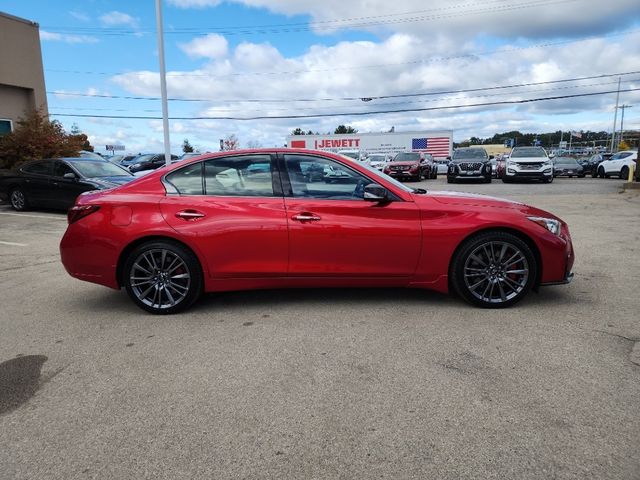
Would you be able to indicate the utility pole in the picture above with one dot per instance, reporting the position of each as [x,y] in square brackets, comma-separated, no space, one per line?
[615,118]
[622,107]
[163,84]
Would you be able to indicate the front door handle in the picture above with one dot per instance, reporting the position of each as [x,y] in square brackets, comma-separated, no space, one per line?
[189,214]
[306,217]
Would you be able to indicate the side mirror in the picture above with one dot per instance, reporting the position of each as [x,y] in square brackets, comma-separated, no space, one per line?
[70,176]
[491,157]
[375,193]
[449,157]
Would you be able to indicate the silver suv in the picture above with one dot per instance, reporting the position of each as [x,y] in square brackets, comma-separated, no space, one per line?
[528,163]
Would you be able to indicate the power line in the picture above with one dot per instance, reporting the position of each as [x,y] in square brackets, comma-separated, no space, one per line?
[304,27]
[341,114]
[405,95]
[359,67]
[385,104]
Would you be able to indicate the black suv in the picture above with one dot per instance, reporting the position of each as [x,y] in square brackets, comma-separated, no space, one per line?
[469,163]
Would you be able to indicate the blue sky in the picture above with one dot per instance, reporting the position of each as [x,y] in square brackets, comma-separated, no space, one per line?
[261,58]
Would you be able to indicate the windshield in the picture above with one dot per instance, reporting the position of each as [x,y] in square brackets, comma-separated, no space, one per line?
[565,161]
[138,159]
[464,153]
[621,155]
[100,169]
[376,174]
[407,157]
[524,152]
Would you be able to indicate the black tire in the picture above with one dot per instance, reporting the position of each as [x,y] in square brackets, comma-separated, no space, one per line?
[480,270]
[451,180]
[152,265]
[506,179]
[601,172]
[624,173]
[487,179]
[18,199]
[548,180]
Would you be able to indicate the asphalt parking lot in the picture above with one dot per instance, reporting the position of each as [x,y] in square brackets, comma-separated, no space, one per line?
[349,384]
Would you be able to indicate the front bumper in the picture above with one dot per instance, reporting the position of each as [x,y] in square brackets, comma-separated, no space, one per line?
[564,281]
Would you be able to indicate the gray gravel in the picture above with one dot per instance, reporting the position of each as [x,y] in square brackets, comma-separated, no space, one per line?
[349,384]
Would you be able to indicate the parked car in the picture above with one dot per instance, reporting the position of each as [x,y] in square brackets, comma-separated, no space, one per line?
[469,163]
[188,155]
[442,165]
[590,164]
[411,166]
[119,159]
[55,183]
[528,163]
[149,161]
[567,167]
[194,226]
[619,164]
[377,161]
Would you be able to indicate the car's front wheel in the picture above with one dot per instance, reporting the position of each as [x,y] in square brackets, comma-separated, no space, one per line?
[162,277]
[624,173]
[19,201]
[493,270]
[601,172]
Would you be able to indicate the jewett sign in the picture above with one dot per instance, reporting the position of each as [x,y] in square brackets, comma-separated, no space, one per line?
[337,143]
[437,143]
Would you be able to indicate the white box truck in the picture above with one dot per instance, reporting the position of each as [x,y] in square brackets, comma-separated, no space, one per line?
[437,143]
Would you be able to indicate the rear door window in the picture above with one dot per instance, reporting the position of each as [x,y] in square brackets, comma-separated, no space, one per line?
[43,167]
[239,176]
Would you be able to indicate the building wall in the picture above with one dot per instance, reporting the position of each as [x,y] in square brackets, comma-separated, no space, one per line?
[22,85]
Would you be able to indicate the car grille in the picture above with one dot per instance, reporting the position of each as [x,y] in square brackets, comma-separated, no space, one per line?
[470,166]
[530,166]
[400,168]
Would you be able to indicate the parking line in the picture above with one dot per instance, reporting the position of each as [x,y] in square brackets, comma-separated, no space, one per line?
[33,216]
[14,244]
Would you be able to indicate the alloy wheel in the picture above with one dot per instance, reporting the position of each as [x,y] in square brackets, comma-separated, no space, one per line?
[496,272]
[160,278]
[18,200]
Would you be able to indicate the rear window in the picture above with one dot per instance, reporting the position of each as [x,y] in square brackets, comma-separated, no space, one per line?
[187,180]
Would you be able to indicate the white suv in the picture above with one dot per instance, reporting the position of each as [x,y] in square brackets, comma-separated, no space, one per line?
[619,164]
[528,162]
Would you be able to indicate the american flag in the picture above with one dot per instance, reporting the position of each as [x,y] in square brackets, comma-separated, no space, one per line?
[436,146]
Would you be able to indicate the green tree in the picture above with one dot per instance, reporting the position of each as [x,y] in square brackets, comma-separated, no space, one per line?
[36,137]
[186,146]
[345,129]
[298,131]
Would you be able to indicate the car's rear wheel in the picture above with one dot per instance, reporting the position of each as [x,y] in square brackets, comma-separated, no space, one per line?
[624,173]
[493,270]
[162,277]
[19,201]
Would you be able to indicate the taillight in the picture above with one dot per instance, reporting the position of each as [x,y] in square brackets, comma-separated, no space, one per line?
[80,211]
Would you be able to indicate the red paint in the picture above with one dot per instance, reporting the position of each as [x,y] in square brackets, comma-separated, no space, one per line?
[255,242]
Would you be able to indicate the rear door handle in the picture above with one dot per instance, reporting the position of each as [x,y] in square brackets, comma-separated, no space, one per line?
[189,214]
[306,217]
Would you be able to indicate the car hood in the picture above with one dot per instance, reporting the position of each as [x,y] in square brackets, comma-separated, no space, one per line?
[472,200]
[529,159]
[403,164]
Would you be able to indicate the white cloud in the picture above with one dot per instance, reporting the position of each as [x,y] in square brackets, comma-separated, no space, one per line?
[463,19]
[209,46]
[66,38]
[116,18]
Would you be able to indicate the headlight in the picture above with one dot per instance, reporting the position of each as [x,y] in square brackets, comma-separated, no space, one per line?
[550,224]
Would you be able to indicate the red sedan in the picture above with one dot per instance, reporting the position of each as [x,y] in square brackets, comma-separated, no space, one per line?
[256,219]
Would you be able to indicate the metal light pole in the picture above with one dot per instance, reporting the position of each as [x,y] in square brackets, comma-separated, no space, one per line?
[623,107]
[615,118]
[163,84]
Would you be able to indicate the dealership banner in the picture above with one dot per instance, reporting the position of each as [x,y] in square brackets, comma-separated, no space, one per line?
[439,144]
